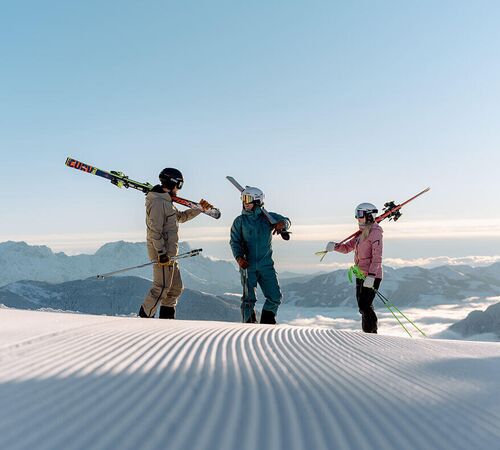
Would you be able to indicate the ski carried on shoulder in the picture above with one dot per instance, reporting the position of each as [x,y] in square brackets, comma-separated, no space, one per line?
[122,181]
[391,212]
[284,234]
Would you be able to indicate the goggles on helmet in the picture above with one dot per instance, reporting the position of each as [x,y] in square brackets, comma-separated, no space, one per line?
[178,182]
[359,214]
[247,198]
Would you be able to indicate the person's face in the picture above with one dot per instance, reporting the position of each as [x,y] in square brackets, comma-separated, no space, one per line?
[248,206]
[175,190]
[362,222]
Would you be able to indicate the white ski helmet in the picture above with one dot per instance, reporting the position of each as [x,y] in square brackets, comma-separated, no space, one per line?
[367,210]
[252,195]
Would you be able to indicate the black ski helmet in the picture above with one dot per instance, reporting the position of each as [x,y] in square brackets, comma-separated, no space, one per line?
[171,178]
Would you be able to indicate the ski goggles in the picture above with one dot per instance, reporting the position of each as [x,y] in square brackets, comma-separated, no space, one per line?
[361,214]
[179,182]
[247,198]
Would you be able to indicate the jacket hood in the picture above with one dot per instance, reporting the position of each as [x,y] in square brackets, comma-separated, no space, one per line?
[154,194]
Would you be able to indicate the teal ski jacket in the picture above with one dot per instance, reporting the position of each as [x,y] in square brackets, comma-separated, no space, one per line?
[251,236]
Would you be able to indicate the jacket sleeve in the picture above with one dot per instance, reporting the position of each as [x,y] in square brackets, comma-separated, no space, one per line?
[348,246]
[280,218]
[236,241]
[377,247]
[156,218]
[184,216]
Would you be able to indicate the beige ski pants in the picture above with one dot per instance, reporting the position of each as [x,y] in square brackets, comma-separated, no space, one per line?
[167,288]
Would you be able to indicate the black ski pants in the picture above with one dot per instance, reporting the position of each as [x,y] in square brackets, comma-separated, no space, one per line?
[365,297]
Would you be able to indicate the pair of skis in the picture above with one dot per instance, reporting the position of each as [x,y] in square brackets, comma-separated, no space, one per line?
[391,212]
[122,181]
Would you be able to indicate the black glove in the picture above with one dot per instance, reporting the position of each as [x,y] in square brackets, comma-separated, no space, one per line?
[163,259]
[279,227]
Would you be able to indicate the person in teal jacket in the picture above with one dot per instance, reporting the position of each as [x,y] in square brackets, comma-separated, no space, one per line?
[251,236]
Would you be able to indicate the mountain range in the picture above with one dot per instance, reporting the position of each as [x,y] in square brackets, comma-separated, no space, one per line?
[34,277]
[20,261]
[480,322]
[409,286]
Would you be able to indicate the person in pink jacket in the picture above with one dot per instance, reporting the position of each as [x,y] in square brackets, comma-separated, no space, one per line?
[368,257]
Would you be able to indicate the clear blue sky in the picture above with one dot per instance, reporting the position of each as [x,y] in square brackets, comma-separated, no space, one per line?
[321,104]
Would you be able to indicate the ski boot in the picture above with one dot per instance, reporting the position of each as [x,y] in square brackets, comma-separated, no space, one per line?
[268,317]
[167,312]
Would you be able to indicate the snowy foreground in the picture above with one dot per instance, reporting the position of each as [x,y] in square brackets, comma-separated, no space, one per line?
[71,381]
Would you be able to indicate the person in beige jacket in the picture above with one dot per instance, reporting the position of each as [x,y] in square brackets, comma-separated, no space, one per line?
[162,222]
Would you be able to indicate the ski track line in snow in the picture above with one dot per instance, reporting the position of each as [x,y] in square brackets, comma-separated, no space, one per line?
[145,383]
[425,383]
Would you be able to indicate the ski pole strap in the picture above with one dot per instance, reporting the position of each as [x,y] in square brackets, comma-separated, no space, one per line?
[321,254]
[356,272]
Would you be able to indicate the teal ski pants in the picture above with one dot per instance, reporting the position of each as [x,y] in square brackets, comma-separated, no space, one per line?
[268,282]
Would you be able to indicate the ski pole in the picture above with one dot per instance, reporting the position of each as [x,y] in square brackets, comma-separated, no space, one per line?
[174,258]
[392,305]
[392,312]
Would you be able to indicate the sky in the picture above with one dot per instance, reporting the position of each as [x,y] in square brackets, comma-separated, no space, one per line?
[321,104]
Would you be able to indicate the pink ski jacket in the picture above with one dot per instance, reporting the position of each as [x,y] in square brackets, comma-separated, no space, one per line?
[367,253]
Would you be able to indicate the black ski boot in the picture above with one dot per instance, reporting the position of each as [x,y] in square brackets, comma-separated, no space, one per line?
[142,313]
[268,317]
[167,312]
[251,319]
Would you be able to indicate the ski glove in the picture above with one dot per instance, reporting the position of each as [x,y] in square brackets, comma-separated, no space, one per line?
[242,262]
[163,260]
[279,227]
[330,247]
[369,282]
[205,205]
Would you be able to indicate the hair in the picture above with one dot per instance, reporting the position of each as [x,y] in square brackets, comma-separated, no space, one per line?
[366,231]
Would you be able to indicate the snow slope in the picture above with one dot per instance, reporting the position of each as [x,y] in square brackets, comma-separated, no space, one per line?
[77,382]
